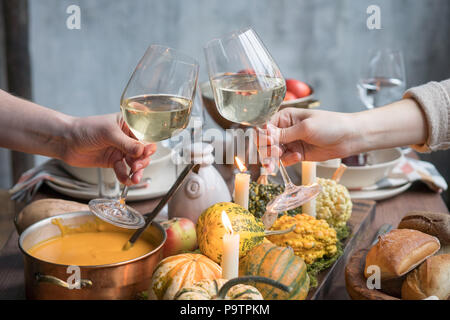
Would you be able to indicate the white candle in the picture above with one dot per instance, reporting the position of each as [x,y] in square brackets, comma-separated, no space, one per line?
[309,177]
[230,256]
[241,185]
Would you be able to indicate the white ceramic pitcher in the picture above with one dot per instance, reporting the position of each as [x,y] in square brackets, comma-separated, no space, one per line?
[200,190]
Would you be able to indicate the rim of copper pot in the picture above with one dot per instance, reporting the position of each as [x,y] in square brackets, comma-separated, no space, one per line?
[86,213]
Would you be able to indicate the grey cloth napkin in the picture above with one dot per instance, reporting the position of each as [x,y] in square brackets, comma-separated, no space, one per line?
[51,170]
[30,181]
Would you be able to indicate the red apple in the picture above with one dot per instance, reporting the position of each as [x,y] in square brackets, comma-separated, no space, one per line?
[299,88]
[289,96]
[181,236]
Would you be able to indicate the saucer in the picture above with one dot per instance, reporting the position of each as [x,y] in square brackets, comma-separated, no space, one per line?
[378,194]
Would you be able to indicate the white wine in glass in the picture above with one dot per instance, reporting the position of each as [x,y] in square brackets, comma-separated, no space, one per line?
[382,79]
[247,98]
[153,118]
[156,105]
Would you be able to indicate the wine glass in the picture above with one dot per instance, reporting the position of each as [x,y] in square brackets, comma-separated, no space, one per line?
[248,89]
[156,105]
[382,80]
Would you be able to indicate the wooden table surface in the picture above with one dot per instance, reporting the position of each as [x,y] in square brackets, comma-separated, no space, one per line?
[418,197]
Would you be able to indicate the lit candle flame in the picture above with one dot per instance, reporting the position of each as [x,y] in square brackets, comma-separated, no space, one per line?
[227,223]
[240,164]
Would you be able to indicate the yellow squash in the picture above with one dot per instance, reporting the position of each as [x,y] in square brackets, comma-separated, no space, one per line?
[210,229]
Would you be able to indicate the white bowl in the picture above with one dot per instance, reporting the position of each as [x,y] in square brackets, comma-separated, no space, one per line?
[159,161]
[382,163]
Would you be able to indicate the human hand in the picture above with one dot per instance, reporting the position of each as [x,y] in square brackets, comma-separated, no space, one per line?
[310,135]
[107,142]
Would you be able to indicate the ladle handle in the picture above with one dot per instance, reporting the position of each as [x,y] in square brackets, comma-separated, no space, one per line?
[149,217]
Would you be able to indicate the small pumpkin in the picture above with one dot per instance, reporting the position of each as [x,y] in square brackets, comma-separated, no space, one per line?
[280,264]
[222,289]
[210,229]
[179,271]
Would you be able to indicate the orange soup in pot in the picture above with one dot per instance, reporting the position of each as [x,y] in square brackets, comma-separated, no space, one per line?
[88,246]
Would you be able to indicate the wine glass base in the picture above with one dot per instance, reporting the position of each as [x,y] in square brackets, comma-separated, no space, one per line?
[113,212]
[293,197]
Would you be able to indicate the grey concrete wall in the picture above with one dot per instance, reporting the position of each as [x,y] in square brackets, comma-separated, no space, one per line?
[83,72]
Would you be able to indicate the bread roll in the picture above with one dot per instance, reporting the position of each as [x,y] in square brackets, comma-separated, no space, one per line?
[399,251]
[432,278]
[393,287]
[432,223]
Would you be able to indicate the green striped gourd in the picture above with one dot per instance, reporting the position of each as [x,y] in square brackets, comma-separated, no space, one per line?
[279,264]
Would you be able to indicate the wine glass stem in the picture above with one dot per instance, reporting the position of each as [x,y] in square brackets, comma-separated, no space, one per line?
[124,193]
[287,181]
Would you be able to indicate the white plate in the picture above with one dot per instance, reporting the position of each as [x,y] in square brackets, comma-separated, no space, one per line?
[378,194]
[159,184]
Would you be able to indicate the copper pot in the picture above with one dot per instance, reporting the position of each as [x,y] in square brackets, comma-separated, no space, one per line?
[122,280]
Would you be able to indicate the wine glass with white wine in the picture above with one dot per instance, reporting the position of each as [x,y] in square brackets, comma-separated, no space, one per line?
[382,79]
[248,89]
[156,105]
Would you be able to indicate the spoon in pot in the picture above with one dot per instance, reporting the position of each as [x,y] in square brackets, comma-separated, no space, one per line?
[149,217]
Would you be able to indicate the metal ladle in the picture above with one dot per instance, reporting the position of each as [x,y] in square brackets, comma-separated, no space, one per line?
[150,216]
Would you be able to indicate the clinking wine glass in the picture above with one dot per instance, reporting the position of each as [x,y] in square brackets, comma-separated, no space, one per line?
[156,105]
[248,89]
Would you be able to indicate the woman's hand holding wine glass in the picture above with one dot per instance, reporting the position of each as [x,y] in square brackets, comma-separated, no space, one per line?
[248,89]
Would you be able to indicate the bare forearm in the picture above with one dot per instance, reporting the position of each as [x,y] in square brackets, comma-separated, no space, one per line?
[30,128]
[399,124]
